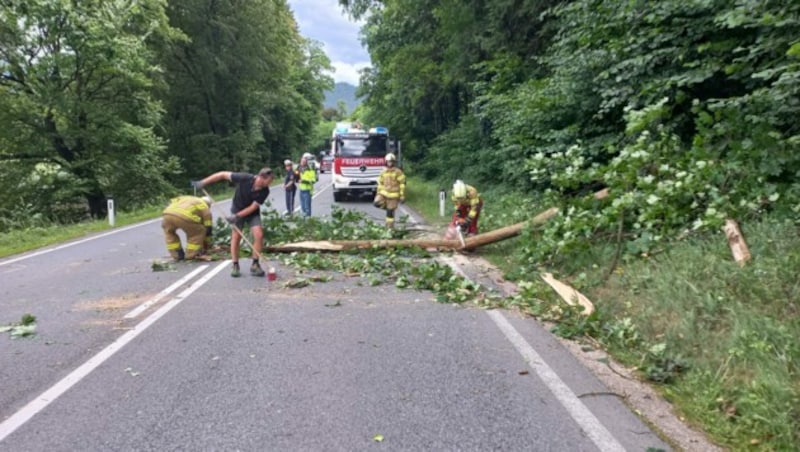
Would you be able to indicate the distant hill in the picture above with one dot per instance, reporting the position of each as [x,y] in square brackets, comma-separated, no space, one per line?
[342,91]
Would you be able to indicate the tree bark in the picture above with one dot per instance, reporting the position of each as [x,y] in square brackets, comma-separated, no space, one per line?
[431,244]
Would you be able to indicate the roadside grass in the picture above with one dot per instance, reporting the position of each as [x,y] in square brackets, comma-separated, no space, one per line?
[31,238]
[718,340]
[424,196]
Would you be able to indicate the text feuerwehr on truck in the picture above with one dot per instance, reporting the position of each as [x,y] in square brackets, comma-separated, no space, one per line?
[359,158]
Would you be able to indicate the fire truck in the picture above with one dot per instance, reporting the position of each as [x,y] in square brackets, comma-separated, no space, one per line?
[358,158]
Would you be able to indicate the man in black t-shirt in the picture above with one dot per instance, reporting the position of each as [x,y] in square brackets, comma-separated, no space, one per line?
[251,192]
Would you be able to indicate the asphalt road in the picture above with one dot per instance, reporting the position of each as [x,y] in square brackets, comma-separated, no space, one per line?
[126,358]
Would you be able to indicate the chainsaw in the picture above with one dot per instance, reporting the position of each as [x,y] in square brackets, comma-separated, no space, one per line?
[461,236]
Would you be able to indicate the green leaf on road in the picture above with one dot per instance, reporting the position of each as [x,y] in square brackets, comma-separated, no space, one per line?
[24,328]
[297,283]
[161,266]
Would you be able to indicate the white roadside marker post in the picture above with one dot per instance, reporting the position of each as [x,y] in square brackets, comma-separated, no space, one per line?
[111,210]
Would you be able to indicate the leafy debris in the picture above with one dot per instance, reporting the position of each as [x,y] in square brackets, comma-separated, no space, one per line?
[26,327]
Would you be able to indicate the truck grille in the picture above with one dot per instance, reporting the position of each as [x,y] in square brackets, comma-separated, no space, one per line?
[355,172]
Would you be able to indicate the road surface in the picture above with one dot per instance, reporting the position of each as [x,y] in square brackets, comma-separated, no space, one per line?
[126,358]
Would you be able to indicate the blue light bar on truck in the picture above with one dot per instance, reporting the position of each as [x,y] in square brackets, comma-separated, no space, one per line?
[379,130]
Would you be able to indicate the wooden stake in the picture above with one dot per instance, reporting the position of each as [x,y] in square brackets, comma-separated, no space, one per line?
[741,253]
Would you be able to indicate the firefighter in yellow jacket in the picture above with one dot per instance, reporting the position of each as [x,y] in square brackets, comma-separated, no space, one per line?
[467,205]
[391,189]
[193,216]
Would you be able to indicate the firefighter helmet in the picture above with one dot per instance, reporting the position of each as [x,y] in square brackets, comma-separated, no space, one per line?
[287,162]
[307,156]
[460,189]
[391,158]
[208,200]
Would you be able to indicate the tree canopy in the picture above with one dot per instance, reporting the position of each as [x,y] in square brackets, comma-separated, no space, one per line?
[131,99]
[684,109]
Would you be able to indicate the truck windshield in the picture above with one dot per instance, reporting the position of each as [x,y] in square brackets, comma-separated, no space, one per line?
[361,146]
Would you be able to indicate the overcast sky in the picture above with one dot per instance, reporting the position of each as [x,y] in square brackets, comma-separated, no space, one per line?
[324,21]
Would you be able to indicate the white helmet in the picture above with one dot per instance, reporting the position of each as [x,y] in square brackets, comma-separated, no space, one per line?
[287,162]
[460,189]
[390,158]
[307,156]
[207,200]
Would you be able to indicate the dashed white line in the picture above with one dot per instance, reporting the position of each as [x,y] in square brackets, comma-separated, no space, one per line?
[143,307]
[33,407]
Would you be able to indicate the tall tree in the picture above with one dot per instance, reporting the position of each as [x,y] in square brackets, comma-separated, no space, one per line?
[76,81]
[243,87]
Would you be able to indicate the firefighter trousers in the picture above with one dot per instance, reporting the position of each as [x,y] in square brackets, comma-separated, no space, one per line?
[195,235]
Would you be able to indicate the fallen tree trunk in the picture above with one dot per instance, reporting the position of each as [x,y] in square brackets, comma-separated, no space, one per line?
[430,244]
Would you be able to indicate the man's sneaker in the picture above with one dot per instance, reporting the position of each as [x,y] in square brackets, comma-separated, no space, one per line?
[235,272]
[256,270]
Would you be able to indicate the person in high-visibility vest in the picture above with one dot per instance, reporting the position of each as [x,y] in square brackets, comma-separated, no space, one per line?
[391,189]
[467,204]
[308,177]
[192,215]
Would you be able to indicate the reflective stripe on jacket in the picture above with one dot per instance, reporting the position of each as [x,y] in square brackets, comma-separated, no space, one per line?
[472,201]
[392,183]
[191,208]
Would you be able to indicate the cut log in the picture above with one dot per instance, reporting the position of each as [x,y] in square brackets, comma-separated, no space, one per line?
[345,245]
[430,244]
[569,294]
[602,194]
[741,253]
[508,231]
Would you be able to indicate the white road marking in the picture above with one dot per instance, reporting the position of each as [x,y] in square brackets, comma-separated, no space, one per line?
[67,245]
[599,435]
[143,307]
[36,405]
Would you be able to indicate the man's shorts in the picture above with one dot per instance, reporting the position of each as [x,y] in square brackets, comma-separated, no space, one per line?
[251,220]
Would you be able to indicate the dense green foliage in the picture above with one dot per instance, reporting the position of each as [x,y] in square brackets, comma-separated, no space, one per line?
[685,110]
[77,108]
[132,99]
[244,89]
